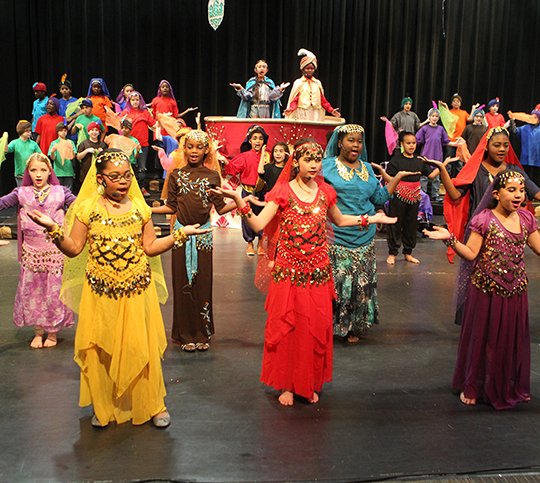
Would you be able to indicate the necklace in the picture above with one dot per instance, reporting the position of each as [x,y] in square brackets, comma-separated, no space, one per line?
[41,195]
[348,173]
[112,203]
[304,187]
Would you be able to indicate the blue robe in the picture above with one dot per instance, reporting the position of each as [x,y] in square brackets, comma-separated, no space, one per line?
[245,105]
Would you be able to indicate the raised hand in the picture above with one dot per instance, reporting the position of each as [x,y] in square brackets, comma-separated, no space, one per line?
[383,118]
[283,86]
[435,162]
[384,175]
[382,218]
[42,219]
[404,174]
[195,230]
[451,160]
[224,192]
[237,87]
[438,233]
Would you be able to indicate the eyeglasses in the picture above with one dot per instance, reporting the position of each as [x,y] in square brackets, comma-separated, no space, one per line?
[128,175]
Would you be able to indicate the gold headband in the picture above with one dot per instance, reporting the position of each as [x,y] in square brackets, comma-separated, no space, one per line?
[115,157]
[508,176]
[198,136]
[497,130]
[350,129]
[309,150]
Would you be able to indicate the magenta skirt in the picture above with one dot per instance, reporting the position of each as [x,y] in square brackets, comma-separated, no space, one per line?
[494,355]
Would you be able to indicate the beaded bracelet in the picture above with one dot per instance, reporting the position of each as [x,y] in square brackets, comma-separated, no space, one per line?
[245,211]
[180,238]
[363,221]
[56,234]
[451,242]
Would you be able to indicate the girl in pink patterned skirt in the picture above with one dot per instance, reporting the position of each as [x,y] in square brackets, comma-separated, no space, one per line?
[37,301]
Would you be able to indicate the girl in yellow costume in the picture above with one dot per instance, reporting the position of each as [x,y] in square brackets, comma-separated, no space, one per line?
[120,337]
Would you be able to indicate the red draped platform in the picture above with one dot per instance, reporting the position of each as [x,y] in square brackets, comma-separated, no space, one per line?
[231,131]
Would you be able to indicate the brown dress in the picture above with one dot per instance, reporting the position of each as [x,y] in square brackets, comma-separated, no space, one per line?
[193,320]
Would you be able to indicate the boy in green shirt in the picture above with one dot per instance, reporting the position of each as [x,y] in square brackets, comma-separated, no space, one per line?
[22,148]
[62,151]
[84,118]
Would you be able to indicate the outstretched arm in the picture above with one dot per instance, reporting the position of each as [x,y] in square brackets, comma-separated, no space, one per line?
[256,222]
[189,109]
[162,210]
[385,176]
[70,245]
[468,251]
[451,190]
[340,219]
[153,246]
[392,184]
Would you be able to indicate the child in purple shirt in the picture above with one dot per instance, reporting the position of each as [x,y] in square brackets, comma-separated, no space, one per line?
[433,139]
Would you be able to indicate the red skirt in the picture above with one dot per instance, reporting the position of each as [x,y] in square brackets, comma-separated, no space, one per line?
[298,343]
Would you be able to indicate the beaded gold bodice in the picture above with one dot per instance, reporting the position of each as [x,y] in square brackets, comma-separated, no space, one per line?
[500,267]
[117,265]
[302,252]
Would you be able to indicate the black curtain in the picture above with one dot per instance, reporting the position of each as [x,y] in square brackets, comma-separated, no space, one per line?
[371,53]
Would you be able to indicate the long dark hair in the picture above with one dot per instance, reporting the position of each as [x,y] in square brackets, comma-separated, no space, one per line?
[285,146]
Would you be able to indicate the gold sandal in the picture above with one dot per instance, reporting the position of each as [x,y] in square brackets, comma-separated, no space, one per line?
[190,347]
[202,346]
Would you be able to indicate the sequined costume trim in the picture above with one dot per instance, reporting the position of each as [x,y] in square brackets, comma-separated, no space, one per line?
[302,278]
[117,265]
[500,268]
[302,250]
[348,173]
[40,261]
[409,192]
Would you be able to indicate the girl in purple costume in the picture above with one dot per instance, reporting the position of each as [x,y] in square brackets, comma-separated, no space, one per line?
[433,138]
[37,300]
[493,361]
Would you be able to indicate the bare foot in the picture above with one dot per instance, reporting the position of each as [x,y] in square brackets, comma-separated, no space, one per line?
[314,399]
[352,339]
[286,398]
[37,342]
[411,259]
[51,341]
[391,259]
[469,401]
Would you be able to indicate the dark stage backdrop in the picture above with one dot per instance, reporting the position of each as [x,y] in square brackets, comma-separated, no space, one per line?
[371,52]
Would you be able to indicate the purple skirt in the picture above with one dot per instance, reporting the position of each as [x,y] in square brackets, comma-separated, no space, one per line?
[494,359]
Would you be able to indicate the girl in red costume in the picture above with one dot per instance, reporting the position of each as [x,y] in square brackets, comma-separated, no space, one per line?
[297,357]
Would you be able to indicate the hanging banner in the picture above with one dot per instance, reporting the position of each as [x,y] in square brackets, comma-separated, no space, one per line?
[216,12]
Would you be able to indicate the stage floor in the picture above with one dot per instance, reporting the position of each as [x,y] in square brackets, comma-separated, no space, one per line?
[388,414]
